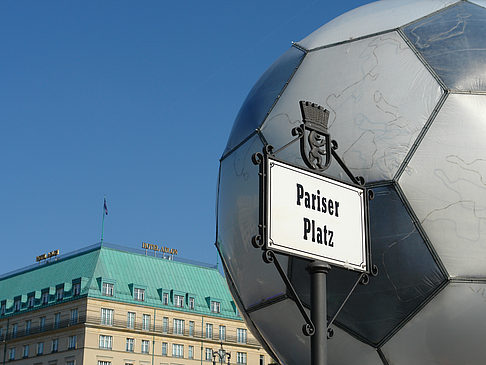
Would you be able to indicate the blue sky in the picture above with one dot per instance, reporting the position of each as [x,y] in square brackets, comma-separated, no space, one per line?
[132,100]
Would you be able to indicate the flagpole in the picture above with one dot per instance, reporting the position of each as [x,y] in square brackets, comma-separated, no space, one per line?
[103,213]
[102,225]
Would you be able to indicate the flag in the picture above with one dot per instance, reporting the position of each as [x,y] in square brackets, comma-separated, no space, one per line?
[105,206]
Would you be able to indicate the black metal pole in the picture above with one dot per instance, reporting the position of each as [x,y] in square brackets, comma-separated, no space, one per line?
[318,271]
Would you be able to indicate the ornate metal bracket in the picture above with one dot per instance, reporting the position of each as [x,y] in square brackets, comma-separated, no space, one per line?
[316,156]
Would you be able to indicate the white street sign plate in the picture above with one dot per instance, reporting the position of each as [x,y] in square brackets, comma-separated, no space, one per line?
[316,217]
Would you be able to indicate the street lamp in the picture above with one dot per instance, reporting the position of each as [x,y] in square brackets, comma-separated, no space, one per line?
[222,354]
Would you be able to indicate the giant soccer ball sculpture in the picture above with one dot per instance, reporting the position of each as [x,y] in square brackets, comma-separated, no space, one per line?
[405,85]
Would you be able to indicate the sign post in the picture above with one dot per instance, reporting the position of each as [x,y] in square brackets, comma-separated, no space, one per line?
[306,214]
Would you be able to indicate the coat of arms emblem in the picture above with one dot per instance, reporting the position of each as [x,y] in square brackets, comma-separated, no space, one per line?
[317,152]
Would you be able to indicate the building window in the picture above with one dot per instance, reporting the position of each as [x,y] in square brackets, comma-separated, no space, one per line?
[241,357]
[222,333]
[165,324]
[146,322]
[59,293]
[130,344]
[191,328]
[17,305]
[262,360]
[209,354]
[108,289]
[57,320]
[74,316]
[191,303]
[76,289]
[15,327]
[72,342]
[28,325]
[45,297]
[165,298]
[241,335]
[209,330]
[40,348]
[11,353]
[3,308]
[107,316]
[190,352]
[26,351]
[164,348]
[30,301]
[55,345]
[215,307]
[131,320]
[106,342]
[42,323]
[145,346]
[177,350]
[139,294]
[71,362]
[178,326]
[179,301]
[104,362]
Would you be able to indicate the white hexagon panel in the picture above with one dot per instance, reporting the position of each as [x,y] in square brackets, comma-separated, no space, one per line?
[404,83]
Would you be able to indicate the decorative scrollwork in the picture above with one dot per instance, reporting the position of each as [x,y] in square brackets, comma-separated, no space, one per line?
[257,158]
[330,333]
[365,279]
[257,241]
[360,180]
[334,145]
[308,329]
[298,132]
[268,149]
[268,256]
[371,194]
[374,270]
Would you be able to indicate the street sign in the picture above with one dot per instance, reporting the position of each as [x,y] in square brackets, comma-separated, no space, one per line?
[316,217]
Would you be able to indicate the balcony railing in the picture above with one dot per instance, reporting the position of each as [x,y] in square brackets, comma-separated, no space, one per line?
[123,324]
[36,329]
[169,330]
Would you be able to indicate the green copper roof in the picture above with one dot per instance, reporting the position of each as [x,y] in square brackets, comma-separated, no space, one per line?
[126,271]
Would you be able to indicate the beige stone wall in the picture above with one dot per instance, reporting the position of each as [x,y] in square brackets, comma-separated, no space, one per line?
[62,334]
[88,335]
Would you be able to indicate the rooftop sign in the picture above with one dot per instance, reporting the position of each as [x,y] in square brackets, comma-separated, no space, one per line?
[47,255]
[154,247]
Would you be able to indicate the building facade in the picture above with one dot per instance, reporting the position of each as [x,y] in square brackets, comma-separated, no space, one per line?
[105,305]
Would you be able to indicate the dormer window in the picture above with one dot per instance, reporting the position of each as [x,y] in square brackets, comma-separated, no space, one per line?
[139,294]
[179,301]
[215,307]
[3,308]
[45,297]
[59,293]
[108,289]
[76,289]
[165,298]
[30,301]
[191,303]
[17,304]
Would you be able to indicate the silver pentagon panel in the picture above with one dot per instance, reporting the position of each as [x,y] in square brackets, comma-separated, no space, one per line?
[452,42]
[456,318]
[445,183]
[379,96]
[372,18]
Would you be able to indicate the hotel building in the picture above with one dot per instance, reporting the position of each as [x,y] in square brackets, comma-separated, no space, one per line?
[107,305]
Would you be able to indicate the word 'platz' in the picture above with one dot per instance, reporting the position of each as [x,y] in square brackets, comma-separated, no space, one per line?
[321,234]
